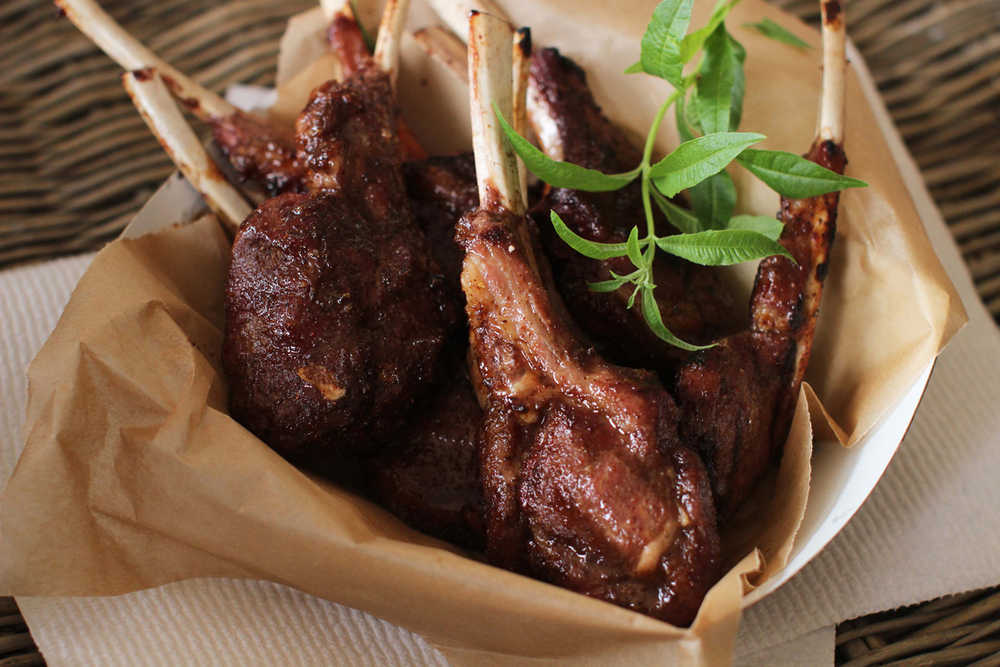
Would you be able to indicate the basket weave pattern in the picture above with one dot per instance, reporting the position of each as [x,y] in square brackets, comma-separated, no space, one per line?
[76,162]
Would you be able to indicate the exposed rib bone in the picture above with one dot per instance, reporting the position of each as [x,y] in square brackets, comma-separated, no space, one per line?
[496,166]
[442,45]
[333,7]
[131,54]
[831,119]
[522,67]
[158,109]
[390,37]
[455,13]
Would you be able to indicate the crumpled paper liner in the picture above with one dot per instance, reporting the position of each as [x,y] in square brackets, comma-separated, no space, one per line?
[134,475]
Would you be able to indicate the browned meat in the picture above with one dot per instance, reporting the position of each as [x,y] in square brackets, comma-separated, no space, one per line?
[442,189]
[336,314]
[341,147]
[737,399]
[334,323]
[695,301]
[259,152]
[430,478]
[585,481]
[347,42]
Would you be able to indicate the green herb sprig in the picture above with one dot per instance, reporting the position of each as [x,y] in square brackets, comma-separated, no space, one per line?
[708,105]
[770,29]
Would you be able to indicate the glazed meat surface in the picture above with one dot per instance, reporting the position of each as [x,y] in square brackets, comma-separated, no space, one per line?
[442,189]
[336,313]
[737,399]
[259,152]
[585,482]
[430,477]
[695,301]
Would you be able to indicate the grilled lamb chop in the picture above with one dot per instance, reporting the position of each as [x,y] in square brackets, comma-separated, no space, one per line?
[585,481]
[737,399]
[695,301]
[336,319]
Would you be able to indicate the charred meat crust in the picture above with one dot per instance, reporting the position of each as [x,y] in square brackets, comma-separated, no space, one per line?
[738,398]
[259,152]
[334,323]
[429,477]
[441,190]
[337,316]
[584,481]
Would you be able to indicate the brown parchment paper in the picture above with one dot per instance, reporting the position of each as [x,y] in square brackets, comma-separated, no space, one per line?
[134,475]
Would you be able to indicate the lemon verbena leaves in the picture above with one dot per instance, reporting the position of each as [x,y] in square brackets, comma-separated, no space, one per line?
[697,159]
[794,176]
[660,53]
[770,29]
[585,247]
[708,107]
[562,174]
[721,247]
[769,227]
[651,313]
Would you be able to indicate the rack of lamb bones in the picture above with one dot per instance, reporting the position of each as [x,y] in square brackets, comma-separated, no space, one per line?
[346,348]
[738,398]
[590,472]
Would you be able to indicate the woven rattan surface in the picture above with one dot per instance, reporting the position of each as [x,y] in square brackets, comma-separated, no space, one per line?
[76,162]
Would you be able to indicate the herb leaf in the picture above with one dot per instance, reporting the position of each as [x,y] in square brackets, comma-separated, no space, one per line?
[794,176]
[697,159]
[651,313]
[772,30]
[585,247]
[769,227]
[365,35]
[634,68]
[692,43]
[682,219]
[661,44]
[739,82]
[611,285]
[714,98]
[684,126]
[633,249]
[562,174]
[713,200]
[721,247]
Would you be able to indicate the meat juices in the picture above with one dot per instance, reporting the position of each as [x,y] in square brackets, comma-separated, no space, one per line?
[336,313]
[586,484]
[695,301]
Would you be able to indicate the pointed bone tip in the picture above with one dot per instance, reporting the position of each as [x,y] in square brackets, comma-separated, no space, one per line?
[524,41]
[832,15]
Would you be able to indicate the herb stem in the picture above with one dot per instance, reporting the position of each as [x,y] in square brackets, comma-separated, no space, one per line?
[647,151]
